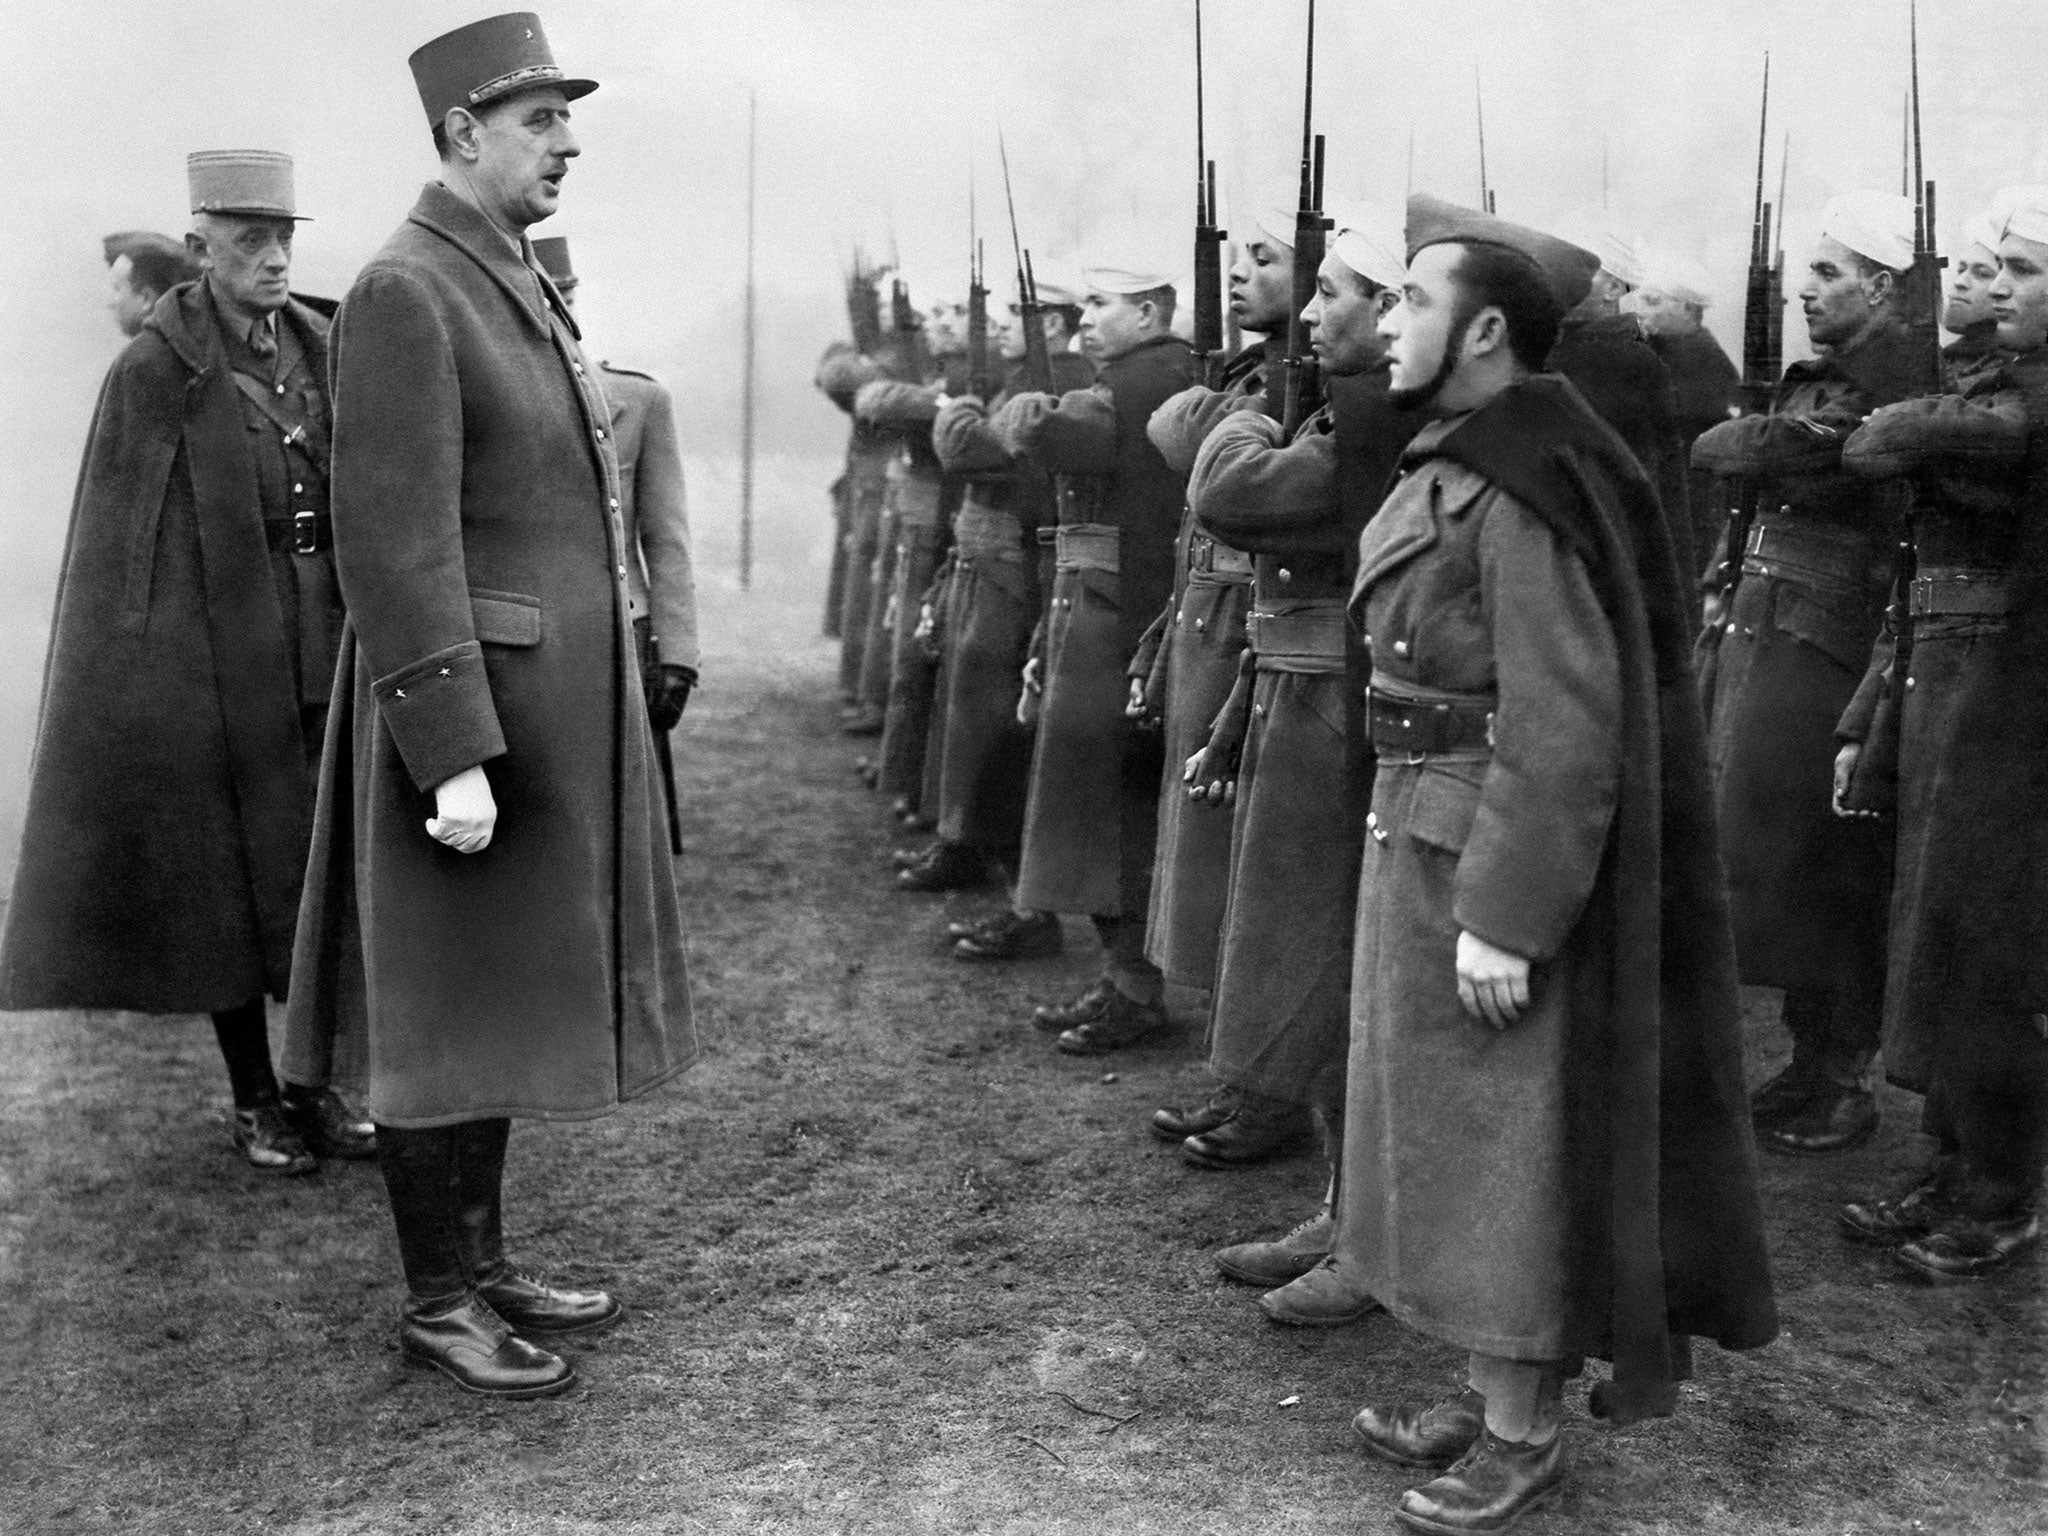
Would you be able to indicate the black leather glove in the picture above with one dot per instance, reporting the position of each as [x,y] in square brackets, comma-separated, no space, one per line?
[668,690]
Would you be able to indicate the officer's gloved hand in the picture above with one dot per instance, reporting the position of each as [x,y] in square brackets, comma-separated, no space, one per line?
[668,690]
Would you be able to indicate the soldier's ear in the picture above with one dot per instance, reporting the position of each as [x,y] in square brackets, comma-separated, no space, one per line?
[195,247]
[1883,282]
[459,129]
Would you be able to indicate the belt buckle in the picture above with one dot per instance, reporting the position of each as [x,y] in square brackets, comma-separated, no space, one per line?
[305,532]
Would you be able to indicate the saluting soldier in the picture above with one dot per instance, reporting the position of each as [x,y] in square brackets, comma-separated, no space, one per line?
[1091,818]
[980,760]
[186,690]
[1546,1156]
[1946,736]
[491,897]
[141,268]
[660,581]
[1280,1027]
[1789,634]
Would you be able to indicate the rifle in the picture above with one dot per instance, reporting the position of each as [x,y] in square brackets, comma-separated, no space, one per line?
[1208,328]
[1037,361]
[977,307]
[1294,391]
[1486,203]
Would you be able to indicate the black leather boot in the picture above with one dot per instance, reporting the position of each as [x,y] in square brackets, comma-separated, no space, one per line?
[444,1323]
[530,1307]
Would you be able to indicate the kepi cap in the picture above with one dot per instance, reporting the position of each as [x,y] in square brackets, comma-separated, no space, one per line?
[486,60]
[247,181]
[1877,226]
[552,252]
[1567,269]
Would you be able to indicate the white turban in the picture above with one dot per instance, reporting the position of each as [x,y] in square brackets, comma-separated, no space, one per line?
[1678,277]
[1275,222]
[1124,281]
[1370,245]
[1877,226]
[2021,211]
[1619,255]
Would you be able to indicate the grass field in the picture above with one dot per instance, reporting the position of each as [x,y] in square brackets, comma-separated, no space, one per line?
[893,1264]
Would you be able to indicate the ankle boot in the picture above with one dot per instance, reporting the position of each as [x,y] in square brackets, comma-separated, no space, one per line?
[444,1324]
[530,1307]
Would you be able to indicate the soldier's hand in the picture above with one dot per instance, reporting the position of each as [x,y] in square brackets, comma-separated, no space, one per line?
[1210,778]
[668,693]
[1845,775]
[1134,706]
[1027,696]
[1492,983]
[465,812]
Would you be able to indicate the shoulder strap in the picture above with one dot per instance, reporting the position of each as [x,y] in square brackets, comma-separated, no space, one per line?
[297,430]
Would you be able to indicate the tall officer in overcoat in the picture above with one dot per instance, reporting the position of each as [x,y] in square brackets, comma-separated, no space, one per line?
[660,578]
[1943,740]
[171,794]
[1547,1155]
[1789,632]
[1091,818]
[491,895]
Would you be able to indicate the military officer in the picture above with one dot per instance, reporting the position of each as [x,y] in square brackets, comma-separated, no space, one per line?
[1540,925]
[659,578]
[1798,606]
[142,268]
[186,691]
[518,951]
[1945,735]
[1091,816]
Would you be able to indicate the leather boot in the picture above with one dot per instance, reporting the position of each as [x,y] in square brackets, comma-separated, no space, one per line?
[1102,1019]
[1902,1216]
[1322,1298]
[444,1323]
[327,1125]
[1176,1123]
[1840,1113]
[1262,1129]
[526,1304]
[1490,1488]
[1964,1247]
[1011,936]
[1414,1436]
[1279,1261]
[946,867]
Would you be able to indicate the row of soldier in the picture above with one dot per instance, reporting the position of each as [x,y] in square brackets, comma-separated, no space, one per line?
[1128,637]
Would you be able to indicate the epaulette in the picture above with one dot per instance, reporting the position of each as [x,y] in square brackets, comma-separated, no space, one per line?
[631,373]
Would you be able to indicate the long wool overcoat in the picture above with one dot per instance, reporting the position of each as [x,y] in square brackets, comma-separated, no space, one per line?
[170,797]
[482,555]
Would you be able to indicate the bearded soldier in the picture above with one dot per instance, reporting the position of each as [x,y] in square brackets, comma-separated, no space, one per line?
[1946,735]
[1790,633]
[1090,823]
[1545,1152]
[492,899]
[189,667]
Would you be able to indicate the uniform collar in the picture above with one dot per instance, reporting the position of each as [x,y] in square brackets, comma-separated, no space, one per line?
[507,262]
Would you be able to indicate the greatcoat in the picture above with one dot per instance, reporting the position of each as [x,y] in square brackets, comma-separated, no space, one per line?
[170,797]
[1581,1182]
[481,548]
[841,373]
[660,580]
[1090,821]
[1705,388]
[1188,662]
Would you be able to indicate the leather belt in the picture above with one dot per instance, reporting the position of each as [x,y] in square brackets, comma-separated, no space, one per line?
[1209,558]
[1089,546]
[303,533]
[1807,552]
[980,534]
[1420,727]
[1308,637]
[1958,593]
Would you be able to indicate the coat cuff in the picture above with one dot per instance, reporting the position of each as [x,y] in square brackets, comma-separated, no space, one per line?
[440,714]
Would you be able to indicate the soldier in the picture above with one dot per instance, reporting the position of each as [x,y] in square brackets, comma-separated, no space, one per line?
[1185,669]
[659,579]
[1954,751]
[186,691]
[1790,632]
[1091,818]
[1280,1027]
[1545,1156]
[1671,308]
[142,268]
[519,951]
[981,757]
[1968,310]
[841,372]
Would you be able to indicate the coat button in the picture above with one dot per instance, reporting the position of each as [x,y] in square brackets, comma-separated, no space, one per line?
[600,434]
[1400,647]
[1909,682]
[296,486]
[615,503]
[1286,574]
[1200,625]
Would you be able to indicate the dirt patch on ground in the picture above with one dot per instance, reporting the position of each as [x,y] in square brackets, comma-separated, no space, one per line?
[894,1265]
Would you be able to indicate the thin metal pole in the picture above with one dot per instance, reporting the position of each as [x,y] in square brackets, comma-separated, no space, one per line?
[747,381]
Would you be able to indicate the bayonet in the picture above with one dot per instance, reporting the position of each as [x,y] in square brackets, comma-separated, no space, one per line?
[1037,360]
[1298,378]
[1208,316]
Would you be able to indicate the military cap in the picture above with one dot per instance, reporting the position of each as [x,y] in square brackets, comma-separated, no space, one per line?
[2021,211]
[488,59]
[1877,226]
[1567,269]
[552,252]
[245,181]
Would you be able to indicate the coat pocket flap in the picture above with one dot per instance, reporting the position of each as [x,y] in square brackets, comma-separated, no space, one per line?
[1443,809]
[505,618]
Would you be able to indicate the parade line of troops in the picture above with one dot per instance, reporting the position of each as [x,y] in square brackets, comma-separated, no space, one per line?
[1414,742]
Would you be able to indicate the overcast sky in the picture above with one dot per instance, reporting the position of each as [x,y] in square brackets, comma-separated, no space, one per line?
[872,113]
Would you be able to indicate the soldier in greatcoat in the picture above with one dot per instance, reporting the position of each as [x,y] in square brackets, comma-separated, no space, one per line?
[841,372]
[1944,740]
[1789,633]
[491,898]
[1671,308]
[1091,815]
[186,689]
[1546,1154]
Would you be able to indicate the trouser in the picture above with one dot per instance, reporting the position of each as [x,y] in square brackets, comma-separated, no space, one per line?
[1835,1033]
[1524,1398]
[1123,941]
[244,1037]
[1990,1106]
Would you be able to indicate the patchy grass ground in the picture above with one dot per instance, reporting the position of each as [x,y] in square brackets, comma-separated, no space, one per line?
[894,1265]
